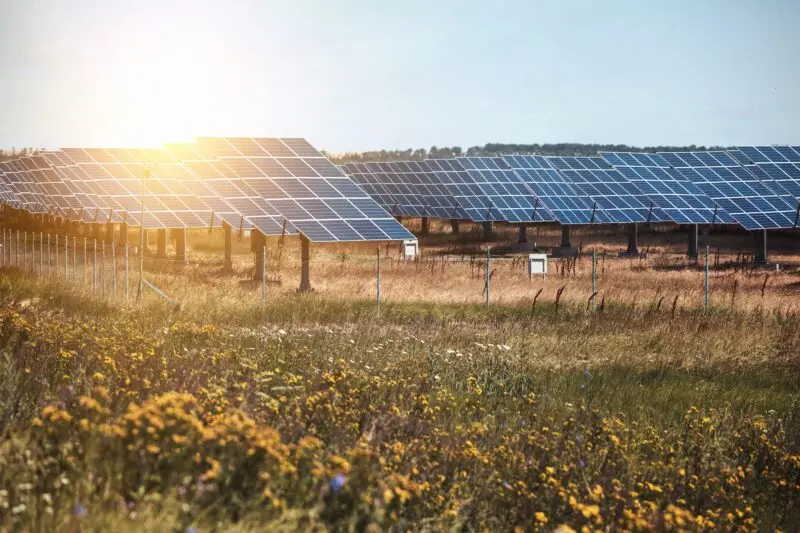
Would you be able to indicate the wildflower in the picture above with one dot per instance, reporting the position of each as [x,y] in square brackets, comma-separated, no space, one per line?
[79,511]
[337,483]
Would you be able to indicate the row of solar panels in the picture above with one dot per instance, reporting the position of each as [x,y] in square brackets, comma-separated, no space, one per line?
[274,185]
[756,187]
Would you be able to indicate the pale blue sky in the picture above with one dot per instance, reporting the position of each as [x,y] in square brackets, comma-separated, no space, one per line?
[360,75]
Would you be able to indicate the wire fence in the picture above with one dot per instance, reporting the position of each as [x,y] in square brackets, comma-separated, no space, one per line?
[105,269]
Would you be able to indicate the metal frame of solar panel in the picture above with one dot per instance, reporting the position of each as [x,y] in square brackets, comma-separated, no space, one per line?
[555,193]
[75,180]
[614,199]
[750,199]
[503,196]
[780,163]
[293,178]
[673,197]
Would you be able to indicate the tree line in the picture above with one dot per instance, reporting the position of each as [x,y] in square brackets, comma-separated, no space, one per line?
[495,149]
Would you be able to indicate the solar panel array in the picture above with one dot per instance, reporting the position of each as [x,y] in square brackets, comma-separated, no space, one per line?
[673,196]
[283,186]
[747,196]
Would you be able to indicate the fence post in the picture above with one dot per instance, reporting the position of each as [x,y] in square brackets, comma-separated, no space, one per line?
[41,254]
[114,272]
[103,269]
[74,256]
[488,275]
[16,250]
[83,270]
[263,277]
[126,271]
[94,268]
[66,257]
[706,278]
[594,279]
[379,276]
[58,259]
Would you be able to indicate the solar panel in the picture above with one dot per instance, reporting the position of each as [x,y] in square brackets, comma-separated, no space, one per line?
[19,182]
[59,199]
[613,198]
[73,180]
[7,191]
[290,178]
[211,183]
[747,197]
[400,187]
[427,181]
[672,195]
[554,192]
[780,163]
[498,193]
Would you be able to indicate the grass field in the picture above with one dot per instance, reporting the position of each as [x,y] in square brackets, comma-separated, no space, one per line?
[431,412]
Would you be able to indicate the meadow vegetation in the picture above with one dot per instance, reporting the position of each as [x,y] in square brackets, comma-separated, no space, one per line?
[323,411]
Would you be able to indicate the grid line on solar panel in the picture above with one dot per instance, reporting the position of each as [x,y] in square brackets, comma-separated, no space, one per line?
[613,197]
[555,193]
[745,193]
[674,197]
[295,180]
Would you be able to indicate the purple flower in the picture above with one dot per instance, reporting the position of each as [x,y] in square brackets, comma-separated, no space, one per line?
[338,482]
[581,463]
[79,511]
[191,529]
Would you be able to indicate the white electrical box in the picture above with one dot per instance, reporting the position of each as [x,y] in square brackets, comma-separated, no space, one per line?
[537,264]
[410,248]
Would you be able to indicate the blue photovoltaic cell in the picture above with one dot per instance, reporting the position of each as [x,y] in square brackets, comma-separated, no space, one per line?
[554,192]
[290,179]
[751,200]
[612,196]
[780,163]
[673,197]
[500,193]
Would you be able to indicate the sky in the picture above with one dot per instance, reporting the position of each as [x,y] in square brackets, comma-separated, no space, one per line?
[355,75]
